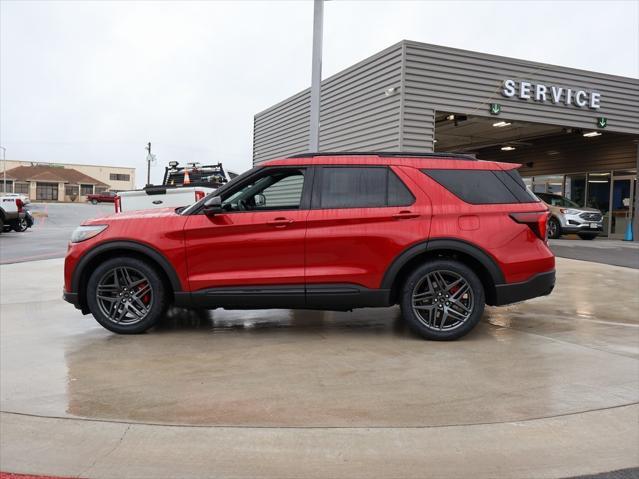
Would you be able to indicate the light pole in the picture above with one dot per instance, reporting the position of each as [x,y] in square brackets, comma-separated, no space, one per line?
[316,75]
[4,169]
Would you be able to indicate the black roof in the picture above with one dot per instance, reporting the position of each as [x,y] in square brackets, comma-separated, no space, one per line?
[401,154]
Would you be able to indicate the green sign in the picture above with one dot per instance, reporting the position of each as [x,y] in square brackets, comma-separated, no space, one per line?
[495,108]
[602,122]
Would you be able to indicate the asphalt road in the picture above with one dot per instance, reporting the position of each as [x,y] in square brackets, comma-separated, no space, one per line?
[49,237]
[50,234]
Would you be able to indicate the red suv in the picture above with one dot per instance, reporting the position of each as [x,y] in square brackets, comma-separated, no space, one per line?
[439,234]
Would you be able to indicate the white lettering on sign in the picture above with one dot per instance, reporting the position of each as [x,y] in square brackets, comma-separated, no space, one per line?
[540,92]
[580,98]
[526,90]
[509,88]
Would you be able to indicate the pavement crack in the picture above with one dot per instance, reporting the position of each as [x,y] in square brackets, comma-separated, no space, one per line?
[105,455]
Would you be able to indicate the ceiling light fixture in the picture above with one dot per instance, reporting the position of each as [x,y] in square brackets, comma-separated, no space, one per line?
[507,148]
[591,134]
[501,124]
[450,117]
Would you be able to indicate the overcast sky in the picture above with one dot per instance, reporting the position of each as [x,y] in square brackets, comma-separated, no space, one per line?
[92,82]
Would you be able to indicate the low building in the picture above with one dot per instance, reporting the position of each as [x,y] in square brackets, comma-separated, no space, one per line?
[64,182]
[575,132]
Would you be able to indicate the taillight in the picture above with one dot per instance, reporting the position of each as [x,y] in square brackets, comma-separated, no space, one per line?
[19,204]
[199,195]
[536,221]
[117,204]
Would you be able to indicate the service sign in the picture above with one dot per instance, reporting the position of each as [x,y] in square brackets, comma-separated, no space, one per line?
[559,95]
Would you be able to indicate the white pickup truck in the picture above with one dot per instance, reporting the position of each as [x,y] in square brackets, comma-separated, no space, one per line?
[181,186]
[12,210]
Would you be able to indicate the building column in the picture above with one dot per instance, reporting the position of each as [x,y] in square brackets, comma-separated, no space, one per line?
[61,192]
[635,219]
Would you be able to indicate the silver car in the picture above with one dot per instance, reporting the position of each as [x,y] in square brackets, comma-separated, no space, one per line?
[567,217]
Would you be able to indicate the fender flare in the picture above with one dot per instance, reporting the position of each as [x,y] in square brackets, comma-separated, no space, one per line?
[132,246]
[440,244]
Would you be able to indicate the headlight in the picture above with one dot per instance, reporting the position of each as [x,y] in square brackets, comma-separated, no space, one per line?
[83,233]
[569,211]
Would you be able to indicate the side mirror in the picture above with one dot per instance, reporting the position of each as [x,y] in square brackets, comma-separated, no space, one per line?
[213,206]
[260,200]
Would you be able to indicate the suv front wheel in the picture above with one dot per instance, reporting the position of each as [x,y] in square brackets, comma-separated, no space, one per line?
[442,300]
[126,295]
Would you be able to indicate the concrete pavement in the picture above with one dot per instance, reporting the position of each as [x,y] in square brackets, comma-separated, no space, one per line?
[599,250]
[546,388]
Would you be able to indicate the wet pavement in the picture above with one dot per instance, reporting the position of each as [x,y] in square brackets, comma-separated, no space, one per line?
[555,372]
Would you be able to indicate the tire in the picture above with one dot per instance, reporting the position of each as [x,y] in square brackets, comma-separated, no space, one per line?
[587,236]
[424,321]
[1,225]
[94,202]
[554,228]
[21,226]
[148,296]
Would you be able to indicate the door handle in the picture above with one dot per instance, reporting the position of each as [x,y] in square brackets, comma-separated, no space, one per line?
[404,215]
[280,222]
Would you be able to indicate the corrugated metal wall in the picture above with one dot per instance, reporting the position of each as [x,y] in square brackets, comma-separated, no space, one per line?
[355,114]
[459,81]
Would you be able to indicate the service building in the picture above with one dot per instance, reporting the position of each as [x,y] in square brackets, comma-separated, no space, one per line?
[575,132]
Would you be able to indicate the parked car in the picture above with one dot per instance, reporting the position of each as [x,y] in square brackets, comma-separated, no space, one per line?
[104,197]
[11,212]
[566,217]
[438,234]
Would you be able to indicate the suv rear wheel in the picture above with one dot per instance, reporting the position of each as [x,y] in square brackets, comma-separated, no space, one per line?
[126,295]
[442,300]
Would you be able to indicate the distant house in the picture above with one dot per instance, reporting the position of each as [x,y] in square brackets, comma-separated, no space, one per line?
[51,183]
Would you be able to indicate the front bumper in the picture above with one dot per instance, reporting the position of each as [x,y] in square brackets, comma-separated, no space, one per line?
[540,284]
[577,224]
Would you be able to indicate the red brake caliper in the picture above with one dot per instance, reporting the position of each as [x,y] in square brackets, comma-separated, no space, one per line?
[147,297]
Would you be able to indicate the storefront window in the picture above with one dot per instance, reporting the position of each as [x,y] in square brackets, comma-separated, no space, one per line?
[22,188]
[548,184]
[47,191]
[9,188]
[599,195]
[86,190]
[575,188]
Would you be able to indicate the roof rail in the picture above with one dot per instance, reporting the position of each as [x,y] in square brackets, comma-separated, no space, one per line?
[401,154]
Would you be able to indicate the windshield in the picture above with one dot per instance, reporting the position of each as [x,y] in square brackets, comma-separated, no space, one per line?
[196,206]
[556,200]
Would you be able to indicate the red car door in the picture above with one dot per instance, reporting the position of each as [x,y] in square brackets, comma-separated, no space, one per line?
[362,218]
[258,240]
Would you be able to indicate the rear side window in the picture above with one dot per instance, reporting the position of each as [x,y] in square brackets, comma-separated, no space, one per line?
[362,187]
[484,186]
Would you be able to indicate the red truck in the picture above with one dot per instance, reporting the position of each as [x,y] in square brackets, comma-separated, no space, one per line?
[104,197]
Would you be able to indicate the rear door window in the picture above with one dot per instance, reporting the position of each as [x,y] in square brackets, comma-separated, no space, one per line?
[362,187]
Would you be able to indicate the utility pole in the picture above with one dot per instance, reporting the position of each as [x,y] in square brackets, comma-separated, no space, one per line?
[4,169]
[316,75]
[149,158]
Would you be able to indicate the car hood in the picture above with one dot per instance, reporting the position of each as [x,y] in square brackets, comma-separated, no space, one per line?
[589,210]
[133,215]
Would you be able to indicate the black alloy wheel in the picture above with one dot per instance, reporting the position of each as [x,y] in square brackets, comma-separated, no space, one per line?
[126,295]
[443,300]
